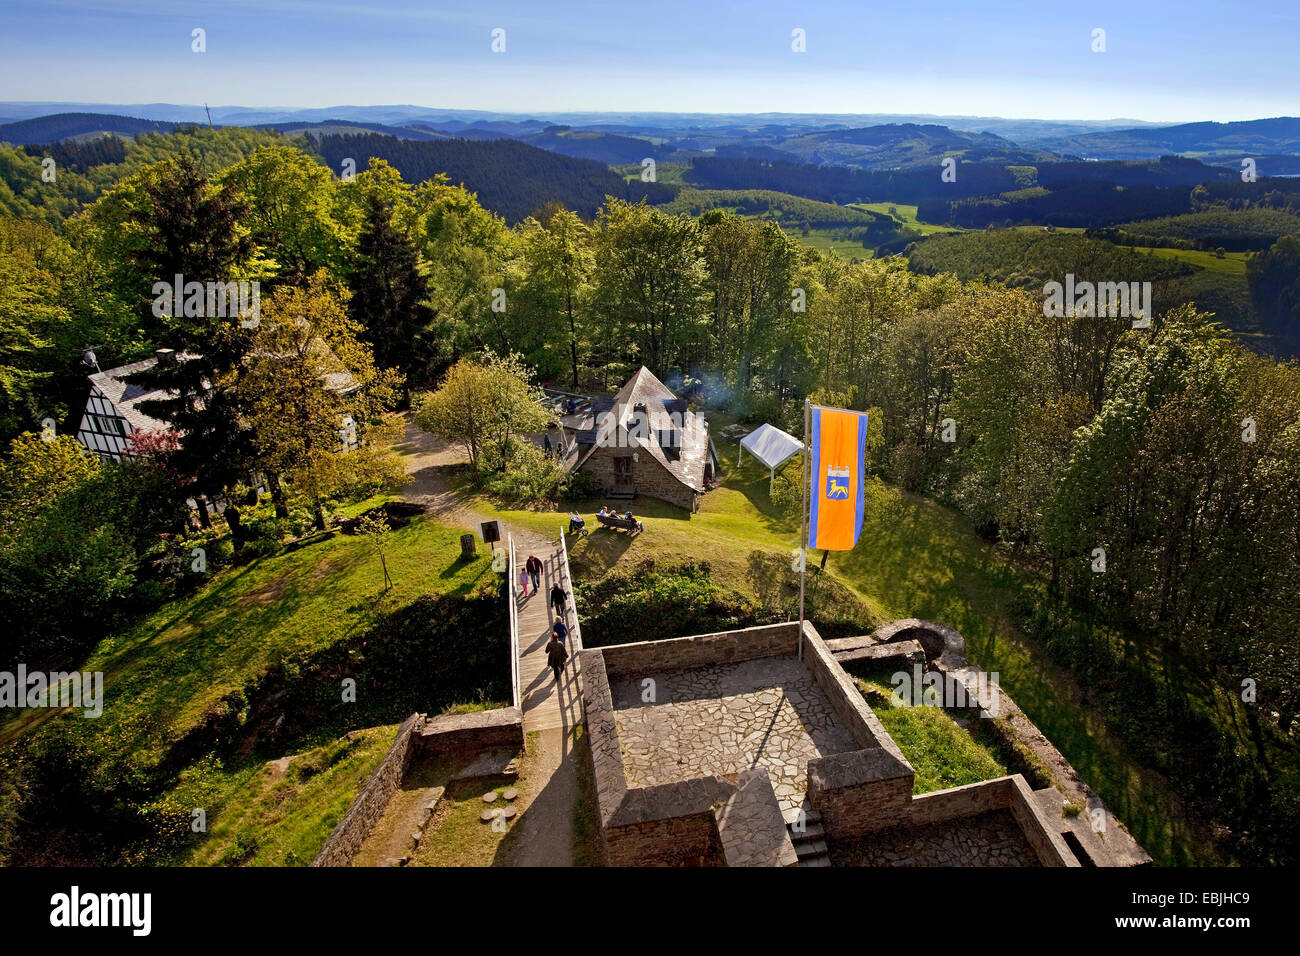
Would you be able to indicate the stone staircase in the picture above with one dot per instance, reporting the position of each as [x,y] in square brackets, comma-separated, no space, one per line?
[810,845]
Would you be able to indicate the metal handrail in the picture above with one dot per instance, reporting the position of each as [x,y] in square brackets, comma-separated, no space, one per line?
[572,603]
[514,619]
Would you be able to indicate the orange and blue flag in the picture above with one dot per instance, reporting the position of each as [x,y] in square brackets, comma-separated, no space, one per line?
[839,459]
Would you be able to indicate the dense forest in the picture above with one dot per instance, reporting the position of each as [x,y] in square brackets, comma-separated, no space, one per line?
[1233,230]
[512,179]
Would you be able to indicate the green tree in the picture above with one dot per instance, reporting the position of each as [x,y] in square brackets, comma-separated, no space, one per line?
[388,297]
[294,214]
[483,406]
[556,268]
[651,285]
[306,378]
[191,228]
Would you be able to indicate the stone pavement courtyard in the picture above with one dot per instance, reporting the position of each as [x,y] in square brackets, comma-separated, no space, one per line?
[988,839]
[725,718]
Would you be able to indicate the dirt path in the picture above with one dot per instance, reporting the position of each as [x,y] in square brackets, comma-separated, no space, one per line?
[431,463]
[545,828]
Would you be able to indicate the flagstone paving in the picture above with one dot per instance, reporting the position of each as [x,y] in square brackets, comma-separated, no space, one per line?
[725,718]
[989,839]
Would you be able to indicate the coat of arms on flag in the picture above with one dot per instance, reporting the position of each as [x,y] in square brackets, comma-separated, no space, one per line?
[837,482]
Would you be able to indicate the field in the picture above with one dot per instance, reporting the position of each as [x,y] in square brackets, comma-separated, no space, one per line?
[824,240]
[1231,264]
[904,213]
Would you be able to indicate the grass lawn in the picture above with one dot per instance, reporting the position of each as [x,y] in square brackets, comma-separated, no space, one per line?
[163,674]
[281,813]
[942,753]
[457,837]
[915,559]
[173,668]
[824,241]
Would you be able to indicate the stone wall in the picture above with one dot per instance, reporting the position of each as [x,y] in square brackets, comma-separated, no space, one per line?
[649,477]
[942,806]
[1048,844]
[860,792]
[501,727]
[632,660]
[602,735]
[839,687]
[347,837]
[676,841]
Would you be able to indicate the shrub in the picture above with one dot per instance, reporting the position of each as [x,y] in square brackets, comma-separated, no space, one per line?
[530,477]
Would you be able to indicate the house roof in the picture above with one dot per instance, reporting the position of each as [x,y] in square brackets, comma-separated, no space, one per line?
[643,389]
[127,396]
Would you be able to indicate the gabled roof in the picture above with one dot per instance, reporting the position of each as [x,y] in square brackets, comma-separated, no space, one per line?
[127,396]
[643,388]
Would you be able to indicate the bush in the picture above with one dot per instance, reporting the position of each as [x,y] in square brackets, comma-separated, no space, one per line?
[530,477]
[647,603]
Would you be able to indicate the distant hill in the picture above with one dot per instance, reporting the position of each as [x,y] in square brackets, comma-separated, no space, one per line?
[50,129]
[903,145]
[608,148]
[349,127]
[511,178]
[1280,135]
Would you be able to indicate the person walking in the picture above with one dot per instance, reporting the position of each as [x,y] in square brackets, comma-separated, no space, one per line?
[534,568]
[558,598]
[556,655]
[560,631]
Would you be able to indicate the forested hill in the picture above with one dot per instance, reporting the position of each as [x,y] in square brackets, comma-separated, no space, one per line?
[50,129]
[511,178]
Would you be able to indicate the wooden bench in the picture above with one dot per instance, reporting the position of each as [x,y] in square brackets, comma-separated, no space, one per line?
[619,523]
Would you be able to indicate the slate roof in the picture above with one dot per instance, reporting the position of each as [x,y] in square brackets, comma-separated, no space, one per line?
[127,396]
[643,388]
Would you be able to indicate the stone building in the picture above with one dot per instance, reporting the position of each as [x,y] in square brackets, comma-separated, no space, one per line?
[644,441]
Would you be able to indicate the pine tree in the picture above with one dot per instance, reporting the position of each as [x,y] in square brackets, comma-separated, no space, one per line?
[388,297]
[194,230]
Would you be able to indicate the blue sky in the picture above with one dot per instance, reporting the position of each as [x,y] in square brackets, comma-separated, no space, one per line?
[1173,61]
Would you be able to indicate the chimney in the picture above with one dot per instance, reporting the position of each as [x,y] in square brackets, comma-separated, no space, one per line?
[165,356]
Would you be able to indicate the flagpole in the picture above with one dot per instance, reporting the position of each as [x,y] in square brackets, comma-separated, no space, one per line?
[803,520]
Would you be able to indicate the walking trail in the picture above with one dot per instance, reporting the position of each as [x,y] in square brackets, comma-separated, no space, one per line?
[548,781]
